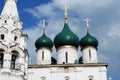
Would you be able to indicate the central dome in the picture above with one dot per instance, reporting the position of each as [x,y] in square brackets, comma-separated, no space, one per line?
[66,37]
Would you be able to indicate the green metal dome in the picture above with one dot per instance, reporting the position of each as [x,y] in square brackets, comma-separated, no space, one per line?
[44,42]
[66,37]
[88,40]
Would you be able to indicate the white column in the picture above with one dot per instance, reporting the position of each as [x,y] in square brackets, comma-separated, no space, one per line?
[7,60]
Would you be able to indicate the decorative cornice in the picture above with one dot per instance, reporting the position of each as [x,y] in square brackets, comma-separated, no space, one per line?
[69,65]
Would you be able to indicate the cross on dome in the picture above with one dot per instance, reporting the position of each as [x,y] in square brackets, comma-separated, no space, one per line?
[66,13]
[87,20]
[44,24]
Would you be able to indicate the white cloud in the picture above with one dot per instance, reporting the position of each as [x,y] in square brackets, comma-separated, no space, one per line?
[114,32]
[87,3]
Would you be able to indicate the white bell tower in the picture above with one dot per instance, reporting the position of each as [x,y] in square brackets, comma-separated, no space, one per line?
[13,52]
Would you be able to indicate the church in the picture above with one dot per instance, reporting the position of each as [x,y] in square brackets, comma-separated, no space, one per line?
[14,57]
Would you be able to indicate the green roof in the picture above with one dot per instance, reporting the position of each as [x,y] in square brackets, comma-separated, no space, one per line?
[66,37]
[44,42]
[88,40]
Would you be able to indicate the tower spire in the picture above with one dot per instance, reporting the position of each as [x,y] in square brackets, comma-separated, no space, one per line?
[10,8]
[66,13]
[44,25]
[87,20]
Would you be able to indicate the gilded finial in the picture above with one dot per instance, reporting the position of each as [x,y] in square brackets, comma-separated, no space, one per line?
[87,20]
[66,13]
[44,25]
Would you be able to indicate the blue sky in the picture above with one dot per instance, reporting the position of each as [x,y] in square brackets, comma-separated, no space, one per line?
[105,25]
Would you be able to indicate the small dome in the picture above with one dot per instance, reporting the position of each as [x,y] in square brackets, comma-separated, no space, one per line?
[88,40]
[44,42]
[66,37]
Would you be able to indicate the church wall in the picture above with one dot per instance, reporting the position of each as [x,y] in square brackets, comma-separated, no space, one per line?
[89,55]
[71,55]
[10,77]
[67,73]
[44,56]
[39,73]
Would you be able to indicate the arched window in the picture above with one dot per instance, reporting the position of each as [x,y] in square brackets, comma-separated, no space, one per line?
[90,54]
[42,55]
[90,77]
[67,78]
[5,21]
[1,57]
[15,38]
[15,60]
[66,57]
[43,78]
[2,36]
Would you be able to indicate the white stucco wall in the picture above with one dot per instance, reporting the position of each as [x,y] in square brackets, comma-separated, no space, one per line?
[47,56]
[74,73]
[72,55]
[86,56]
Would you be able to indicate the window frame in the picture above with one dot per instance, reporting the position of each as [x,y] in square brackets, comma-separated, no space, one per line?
[14,58]
[1,60]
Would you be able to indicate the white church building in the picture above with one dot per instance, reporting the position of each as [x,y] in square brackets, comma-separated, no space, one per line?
[14,57]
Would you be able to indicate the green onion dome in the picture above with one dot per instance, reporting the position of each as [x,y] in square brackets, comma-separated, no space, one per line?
[44,42]
[88,40]
[66,37]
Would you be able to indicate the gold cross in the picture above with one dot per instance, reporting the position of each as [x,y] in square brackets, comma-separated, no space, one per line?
[87,20]
[65,10]
[44,24]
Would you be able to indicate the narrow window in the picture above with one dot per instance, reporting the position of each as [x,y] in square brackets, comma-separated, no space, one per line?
[15,38]
[43,78]
[89,54]
[5,21]
[1,58]
[14,22]
[2,36]
[66,56]
[90,77]
[42,55]
[14,60]
[67,78]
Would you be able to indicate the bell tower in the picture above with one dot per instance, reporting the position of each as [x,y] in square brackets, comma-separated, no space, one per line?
[13,52]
